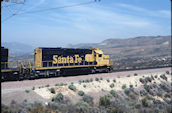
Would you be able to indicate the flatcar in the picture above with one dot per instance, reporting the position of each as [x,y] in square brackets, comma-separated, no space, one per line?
[53,62]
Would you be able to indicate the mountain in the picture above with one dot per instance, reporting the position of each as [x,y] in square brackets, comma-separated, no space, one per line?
[143,47]
[16,48]
[136,47]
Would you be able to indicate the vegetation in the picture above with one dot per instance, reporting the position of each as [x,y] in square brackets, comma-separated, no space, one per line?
[124,86]
[47,85]
[112,85]
[72,87]
[52,90]
[58,98]
[33,88]
[81,93]
[135,74]
[113,93]
[27,91]
[108,80]
[163,77]
[104,101]
[96,79]
[88,99]
[167,72]
[131,86]
[84,86]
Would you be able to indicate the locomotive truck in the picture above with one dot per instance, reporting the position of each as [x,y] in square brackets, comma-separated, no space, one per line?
[53,62]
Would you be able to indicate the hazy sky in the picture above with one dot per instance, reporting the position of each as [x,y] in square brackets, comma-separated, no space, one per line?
[90,23]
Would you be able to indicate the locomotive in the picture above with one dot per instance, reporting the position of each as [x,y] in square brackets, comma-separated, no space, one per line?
[54,62]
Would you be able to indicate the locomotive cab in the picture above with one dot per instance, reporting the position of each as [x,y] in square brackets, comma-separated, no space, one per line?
[101,59]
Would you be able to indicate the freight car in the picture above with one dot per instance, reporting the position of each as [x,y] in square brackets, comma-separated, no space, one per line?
[52,62]
[6,72]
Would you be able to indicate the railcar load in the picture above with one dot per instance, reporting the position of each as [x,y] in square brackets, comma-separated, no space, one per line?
[52,62]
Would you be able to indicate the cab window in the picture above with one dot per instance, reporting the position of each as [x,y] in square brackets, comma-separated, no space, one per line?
[100,55]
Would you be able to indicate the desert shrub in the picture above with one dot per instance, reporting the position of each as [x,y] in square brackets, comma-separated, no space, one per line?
[91,80]
[167,95]
[62,84]
[116,110]
[82,107]
[104,101]
[80,81]
[84,86]
[143,93]
[47,85]
[142,80]
[27,91]
[127,91]
[87,81]
[58,98]
[156,76]
[101,78]
[152,77]
[71,83]
[33,88]
[128,75]
[112,85]
[113,93]
[52,90]
[37,103]
[148,79]
[160,92]
[81,93]
[114,80]
[145,102]
[135,74]
[165,87]
[167,72]
[163,77]
[131,86]
[96,79]
[72,87]
[57,85]
[138,106]
[147,88]
[108,80]
[88,99]
[123,86]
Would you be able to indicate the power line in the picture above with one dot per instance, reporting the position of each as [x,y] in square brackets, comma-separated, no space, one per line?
[66,6]
[43,10]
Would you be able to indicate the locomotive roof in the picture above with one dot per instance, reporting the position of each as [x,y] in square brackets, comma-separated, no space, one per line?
[50,48]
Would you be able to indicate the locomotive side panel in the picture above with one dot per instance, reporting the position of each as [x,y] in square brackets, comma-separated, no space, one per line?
[63,57]
[4,58]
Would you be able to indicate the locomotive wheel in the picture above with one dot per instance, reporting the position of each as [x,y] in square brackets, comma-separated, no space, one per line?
[93,71]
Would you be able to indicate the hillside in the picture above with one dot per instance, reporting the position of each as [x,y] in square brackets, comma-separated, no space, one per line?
[143,46]
[143,91]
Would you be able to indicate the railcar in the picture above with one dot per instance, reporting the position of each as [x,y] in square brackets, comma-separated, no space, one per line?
[68,61]
[53,62]
[7,73]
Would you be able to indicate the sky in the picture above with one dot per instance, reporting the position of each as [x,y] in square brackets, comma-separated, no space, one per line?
[89,23]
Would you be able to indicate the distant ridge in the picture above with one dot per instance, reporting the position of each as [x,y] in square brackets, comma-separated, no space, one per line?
[136,47]
[16,48]
[142,46]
